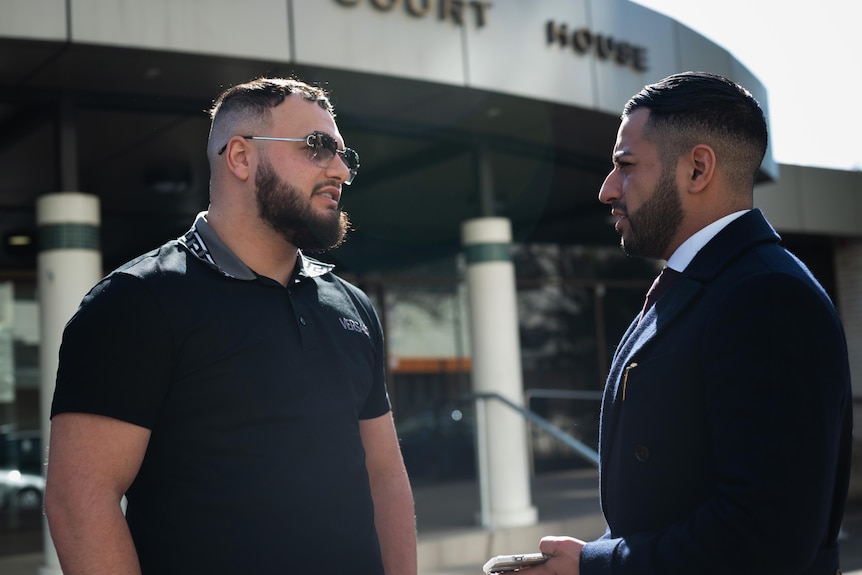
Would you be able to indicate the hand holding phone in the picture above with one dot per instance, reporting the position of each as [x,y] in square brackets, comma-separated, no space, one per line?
[511,563]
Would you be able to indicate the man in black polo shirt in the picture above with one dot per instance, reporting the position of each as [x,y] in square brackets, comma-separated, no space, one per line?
[231,387]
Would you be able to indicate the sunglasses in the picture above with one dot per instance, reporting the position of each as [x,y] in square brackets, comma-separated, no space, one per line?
[322,148]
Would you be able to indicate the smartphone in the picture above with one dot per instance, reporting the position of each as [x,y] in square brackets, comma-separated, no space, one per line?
[510,563]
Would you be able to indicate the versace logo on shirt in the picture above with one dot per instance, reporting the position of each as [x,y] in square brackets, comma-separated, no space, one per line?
[354,325]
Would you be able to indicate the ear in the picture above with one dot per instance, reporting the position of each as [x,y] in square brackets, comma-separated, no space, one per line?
[701,168]
[238,157]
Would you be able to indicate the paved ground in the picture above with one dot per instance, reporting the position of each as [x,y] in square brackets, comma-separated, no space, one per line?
[21,533]
[454,506]
[851,544]
[440,509]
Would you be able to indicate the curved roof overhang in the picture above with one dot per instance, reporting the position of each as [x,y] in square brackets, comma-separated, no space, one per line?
[495,111]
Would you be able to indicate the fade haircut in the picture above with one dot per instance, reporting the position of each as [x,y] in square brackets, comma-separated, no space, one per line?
[694,108]
[251,104]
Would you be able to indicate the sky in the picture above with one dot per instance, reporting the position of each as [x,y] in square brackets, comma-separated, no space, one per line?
[807,55]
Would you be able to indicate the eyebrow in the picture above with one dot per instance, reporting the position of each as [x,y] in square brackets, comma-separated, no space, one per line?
[619,155]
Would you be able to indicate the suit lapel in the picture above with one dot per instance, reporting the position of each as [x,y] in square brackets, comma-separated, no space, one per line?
[636,339]
[740,235]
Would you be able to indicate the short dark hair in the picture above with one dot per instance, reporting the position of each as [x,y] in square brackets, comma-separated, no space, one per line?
[693,108]
[253,101]
[262,94]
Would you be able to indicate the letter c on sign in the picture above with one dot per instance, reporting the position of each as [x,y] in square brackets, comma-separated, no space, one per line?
[385,5]
[418,11]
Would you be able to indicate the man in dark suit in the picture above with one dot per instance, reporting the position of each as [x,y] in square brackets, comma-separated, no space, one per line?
[726,420]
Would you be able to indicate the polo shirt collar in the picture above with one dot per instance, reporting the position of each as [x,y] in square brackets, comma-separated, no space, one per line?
[202,241]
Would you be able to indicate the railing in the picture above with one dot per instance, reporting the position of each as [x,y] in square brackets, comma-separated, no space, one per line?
[562,394]
[584,451]
[570,394]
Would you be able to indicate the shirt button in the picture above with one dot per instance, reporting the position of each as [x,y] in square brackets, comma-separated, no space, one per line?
[642,453]
[302,320]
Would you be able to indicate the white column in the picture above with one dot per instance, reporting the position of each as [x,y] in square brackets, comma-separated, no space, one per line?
[496,358]
[69,264]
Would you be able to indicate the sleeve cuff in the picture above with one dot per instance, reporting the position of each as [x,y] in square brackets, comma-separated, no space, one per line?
[597,557]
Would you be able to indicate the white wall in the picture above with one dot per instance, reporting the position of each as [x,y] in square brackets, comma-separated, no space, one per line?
[505,50]
[813,200]
[250,28]
[33,19]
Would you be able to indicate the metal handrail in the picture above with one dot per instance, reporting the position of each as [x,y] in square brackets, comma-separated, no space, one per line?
[561,394]
[582,449]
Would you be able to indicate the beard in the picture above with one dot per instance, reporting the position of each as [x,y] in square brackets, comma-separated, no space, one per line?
[656,222]
[289,212]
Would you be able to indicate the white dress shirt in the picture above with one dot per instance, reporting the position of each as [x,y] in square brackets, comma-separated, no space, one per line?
[683,255]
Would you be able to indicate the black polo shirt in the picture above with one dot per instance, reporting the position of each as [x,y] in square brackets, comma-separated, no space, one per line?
[253,393]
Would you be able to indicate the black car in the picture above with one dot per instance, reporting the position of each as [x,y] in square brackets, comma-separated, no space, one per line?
[22,483]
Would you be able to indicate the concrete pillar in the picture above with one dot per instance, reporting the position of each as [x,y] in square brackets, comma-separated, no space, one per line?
[496,356]
[69,264]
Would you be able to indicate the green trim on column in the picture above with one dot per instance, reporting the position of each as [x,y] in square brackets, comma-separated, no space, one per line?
[68,236]
[482,253]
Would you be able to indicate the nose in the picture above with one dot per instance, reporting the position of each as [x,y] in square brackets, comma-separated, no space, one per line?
[610,191]
[337,169]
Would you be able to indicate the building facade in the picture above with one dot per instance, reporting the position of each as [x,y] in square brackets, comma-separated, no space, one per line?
[460,109]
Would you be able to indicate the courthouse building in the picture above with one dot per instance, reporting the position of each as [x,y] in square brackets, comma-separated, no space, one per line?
[460,110]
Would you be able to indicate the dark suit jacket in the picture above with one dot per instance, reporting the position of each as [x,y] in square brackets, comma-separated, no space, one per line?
[726,421]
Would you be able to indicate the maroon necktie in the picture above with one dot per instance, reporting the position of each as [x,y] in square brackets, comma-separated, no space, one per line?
[661,284]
